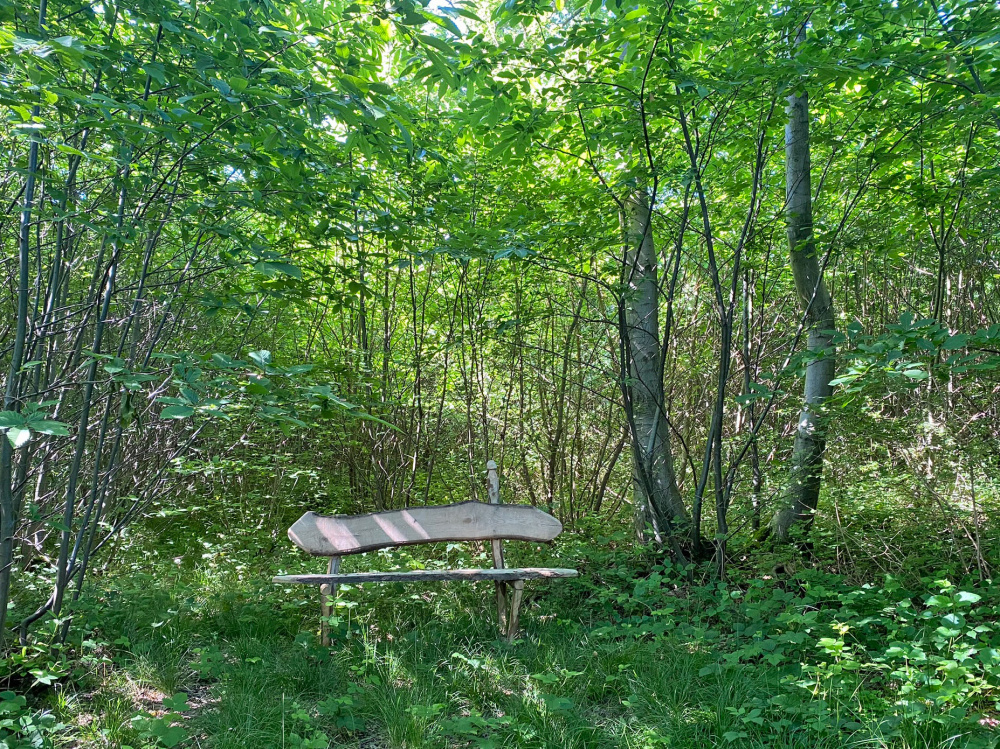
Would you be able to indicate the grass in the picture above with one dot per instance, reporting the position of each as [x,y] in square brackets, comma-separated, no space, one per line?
[624,657]
[421,667]
[414,678]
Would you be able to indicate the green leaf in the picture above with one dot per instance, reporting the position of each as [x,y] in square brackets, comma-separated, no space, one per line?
[405,132]
[272,269]
[259,387]
[47,426]
[155,71]
[443,21]
[177,703]
[439,44]
[11,419]
[221,86]
[261,358]
[466,13]
[115,366]
[556,703]
[176,412]
[171,736]
[225,362]
[18,436]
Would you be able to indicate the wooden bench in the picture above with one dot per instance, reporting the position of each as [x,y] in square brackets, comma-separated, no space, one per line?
[336,536]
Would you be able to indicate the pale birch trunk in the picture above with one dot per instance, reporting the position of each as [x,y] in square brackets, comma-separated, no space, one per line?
[802,495]
[658,502]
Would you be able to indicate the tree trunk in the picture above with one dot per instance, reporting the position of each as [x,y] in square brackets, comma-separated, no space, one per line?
[802,495]
[658,503]
[9,503]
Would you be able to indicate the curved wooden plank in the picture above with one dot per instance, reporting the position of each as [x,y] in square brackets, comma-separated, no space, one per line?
[426,576]
[331,535]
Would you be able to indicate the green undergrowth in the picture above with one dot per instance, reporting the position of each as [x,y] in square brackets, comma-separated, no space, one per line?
[188,644]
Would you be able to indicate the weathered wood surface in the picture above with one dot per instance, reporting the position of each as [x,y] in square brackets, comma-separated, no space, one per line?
[332,535]
[515,610]
[419,576]
[493,490]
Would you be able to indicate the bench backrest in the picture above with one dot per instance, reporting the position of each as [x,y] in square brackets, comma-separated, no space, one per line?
[338,535]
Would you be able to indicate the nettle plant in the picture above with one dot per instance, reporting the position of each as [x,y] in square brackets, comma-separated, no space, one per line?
[303,726]
[923,658]
[166,729]
[880,659]
[24,728]
[944,655]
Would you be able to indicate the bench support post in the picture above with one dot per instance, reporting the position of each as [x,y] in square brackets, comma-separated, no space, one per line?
[326,593]
[493,491]
[515,610]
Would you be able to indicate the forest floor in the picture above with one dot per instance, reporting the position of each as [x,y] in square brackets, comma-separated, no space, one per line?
[200,650]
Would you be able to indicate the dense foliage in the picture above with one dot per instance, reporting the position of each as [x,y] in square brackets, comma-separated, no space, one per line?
[715,283]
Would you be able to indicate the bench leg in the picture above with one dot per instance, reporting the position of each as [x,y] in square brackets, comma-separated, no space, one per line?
[515,610]
[326,610]
[502,606]
[326,594]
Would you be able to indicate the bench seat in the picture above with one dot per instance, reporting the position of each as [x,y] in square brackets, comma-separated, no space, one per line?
[420,576]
